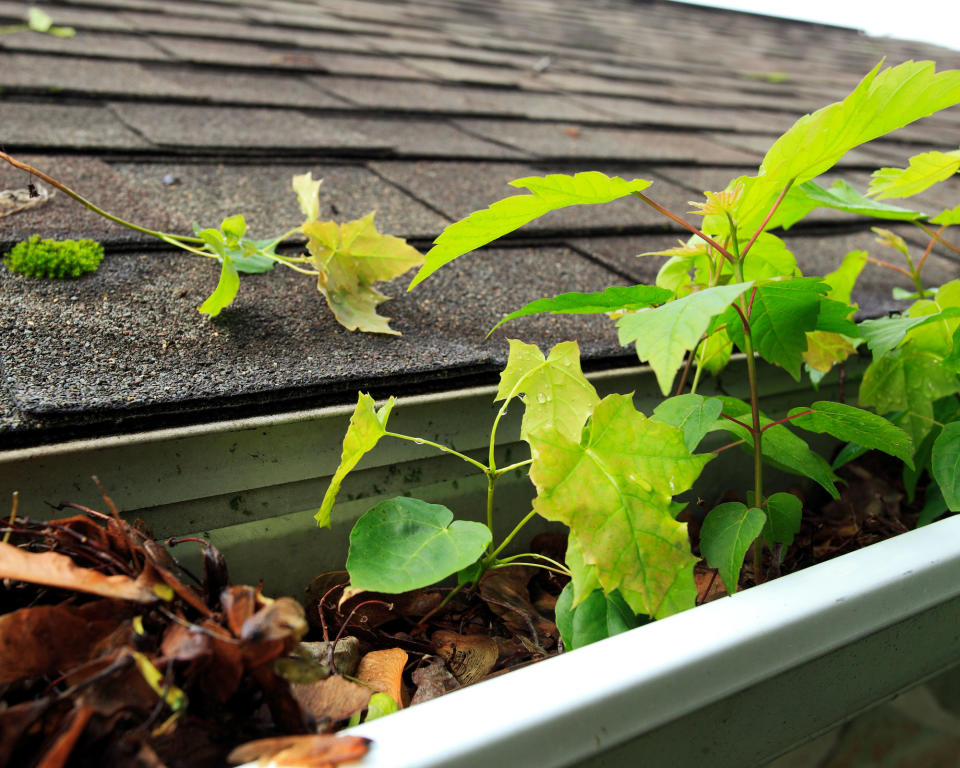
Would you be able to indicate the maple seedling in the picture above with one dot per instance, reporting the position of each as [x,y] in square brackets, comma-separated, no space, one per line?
[346,259]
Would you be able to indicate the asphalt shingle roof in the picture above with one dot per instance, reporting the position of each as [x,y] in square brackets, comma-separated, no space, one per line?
[421,111]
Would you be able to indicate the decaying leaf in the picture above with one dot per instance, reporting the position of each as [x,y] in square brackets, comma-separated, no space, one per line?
[316,751]
[469,657]
[56,570]
[352,257]
[335,698]
[432,679]
[383,672]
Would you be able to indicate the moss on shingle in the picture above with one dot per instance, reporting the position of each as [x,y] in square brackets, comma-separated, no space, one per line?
[54,258]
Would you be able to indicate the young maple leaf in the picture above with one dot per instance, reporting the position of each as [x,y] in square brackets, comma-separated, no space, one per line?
[352,257]
[719,202]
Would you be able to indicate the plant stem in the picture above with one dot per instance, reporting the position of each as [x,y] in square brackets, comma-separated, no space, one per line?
[699,233]
[177,240]
[438,446]
[518,465]
[935,236]
[442,604]
[504,564]
[786,419]
[510,536]
[766,220]
[536,556]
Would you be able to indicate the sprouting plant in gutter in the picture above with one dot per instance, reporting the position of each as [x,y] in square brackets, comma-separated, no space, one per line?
[54,258]
[733,284]
[38,21]
[346,259]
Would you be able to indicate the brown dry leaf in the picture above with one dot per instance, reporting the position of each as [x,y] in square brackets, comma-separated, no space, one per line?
[709,585]
[59,752]
[280,619]
[45,639]
[316,751]
[470,657]
[383,671]
[335,698]
[17,720]
[432,679]
[239,604]
[505,591]
[56,570]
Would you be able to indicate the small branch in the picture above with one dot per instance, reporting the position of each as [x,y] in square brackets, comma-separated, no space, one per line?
[776,204]
[926,253]
[786,419]
[737,421]
[888,265]
[699,233]
[723,448]
[934,235]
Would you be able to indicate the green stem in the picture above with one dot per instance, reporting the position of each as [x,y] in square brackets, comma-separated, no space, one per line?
[491,484]
[438,446]
[442,604]
[177,240]
[491,558]
[504,564]
[512,467]
[536,556]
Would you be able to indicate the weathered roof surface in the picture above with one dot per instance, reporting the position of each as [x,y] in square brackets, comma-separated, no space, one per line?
[421,111]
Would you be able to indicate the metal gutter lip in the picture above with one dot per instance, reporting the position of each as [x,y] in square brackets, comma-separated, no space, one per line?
[577,705]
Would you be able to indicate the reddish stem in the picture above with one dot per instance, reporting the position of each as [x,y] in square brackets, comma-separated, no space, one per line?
[785,419]
[766,220]
[737,421]
[699,233]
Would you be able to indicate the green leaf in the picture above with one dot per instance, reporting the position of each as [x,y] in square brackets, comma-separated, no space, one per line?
[714,352]
[694,414]
[851,424]
[251,256]
[583,576]
[782,314]
[367,426]
[945,464]
[38,21]
[834,317]
[557,394]
[907,381]
[664,334]
[824,350]
[803,198]
[308,190]
[784,515]
[403,544]
[768,257]
[352,257]
[923,172]
[614,299]
[948,217]
[504,216]
[934,505]
[779,446]
[848,453]
[613,489]
[728,531]
[883,102]
[844,277]
[380,705]
[226,290]
[598,617]
[937,337]
[884,334]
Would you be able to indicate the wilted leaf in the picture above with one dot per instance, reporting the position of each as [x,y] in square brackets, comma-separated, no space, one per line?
[432,679]
[308,190]
[56,570]
[727,532]
[664,334]
[614,491]
[367,426]
[352,257]
[383,671]
[504,216]
[506,592]
[470,657]
[557,393]
[403,544]
[314,751]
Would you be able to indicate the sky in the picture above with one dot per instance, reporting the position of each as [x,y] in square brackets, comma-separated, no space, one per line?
[932,21]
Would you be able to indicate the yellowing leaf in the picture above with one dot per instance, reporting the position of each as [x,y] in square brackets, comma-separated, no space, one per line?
[367,426]
[825,349]
[923,172]
[307,194]
[557,393]
[614,489]
[351,257]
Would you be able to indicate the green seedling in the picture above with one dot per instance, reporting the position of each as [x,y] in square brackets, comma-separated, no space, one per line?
[734,284]
[54,258]
[347,259]
[38,21]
